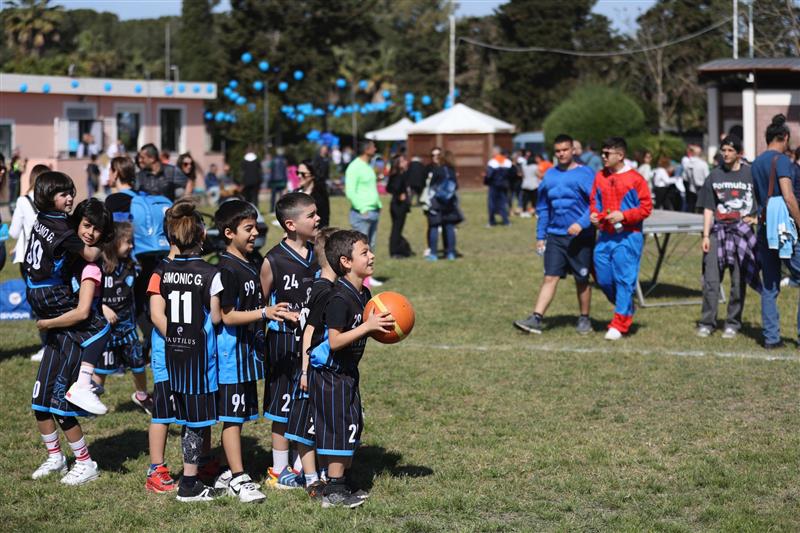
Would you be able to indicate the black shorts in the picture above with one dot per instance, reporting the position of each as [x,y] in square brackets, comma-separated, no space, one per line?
[283,360]
[54,378]
[195,410]
[300,427]
[237,402]
[564,254]
[125,351]
[163,404]
[338,420]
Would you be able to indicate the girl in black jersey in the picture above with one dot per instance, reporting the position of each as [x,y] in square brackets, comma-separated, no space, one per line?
[186,311]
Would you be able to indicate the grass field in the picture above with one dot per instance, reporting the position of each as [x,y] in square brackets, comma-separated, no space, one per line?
[474,426]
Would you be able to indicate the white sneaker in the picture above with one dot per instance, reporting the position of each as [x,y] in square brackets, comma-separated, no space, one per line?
[223,480]
[54,463]
[729,333]
[87,400]
[374,282]
[37,357]
[613,334]
[243,488]
[81,472]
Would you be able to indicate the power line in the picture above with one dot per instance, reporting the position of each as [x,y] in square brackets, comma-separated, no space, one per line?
[609,53]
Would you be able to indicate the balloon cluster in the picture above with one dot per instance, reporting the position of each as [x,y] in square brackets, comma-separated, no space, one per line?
[299,112]
[323,137]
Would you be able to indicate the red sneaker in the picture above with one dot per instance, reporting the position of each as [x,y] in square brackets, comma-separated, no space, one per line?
[160,481]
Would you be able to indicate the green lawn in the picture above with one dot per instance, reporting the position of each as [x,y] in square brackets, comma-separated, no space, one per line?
[471,425]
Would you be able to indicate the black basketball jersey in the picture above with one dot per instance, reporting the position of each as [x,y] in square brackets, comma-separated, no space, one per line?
[190,343]
[45,256]
[344,312]
[292,277]
[238,347]
[118,292]
[320,293]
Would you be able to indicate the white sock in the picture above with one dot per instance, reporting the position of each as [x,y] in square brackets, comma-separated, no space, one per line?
[85,376]
[298,463]
[280,460]
[51,443]
[311,478]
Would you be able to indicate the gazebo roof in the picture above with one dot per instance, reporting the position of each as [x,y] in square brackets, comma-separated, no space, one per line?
[461,119]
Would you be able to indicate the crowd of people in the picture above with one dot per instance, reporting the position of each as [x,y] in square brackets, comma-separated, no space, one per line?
[293,319]
[592,222]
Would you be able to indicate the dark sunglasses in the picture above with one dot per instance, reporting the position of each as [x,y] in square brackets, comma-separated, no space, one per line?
[186,164]
[304,174]
[607,153]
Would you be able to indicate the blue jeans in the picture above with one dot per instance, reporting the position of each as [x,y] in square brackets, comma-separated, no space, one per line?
[366,224]
[771,276]
[498,204]
[449,238]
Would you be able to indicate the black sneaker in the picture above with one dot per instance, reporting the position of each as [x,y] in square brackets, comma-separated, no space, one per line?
[198,492]
[532,324]
[314,490]
[98,389]
[146,404]
[338,495]
[774,345]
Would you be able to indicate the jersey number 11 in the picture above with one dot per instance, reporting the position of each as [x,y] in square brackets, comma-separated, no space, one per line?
[175,298]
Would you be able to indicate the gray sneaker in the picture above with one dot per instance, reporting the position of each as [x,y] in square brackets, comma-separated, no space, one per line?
[584,325]
[704,331]
[729,333]
[339,496]
[532,324]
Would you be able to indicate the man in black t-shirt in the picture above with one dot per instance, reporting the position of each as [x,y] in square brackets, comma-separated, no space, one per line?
[155,177]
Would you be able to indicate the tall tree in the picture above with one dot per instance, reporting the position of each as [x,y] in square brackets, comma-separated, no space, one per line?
[31,25]
[197,43]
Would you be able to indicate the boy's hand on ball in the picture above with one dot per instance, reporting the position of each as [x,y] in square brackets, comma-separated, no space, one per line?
[380,322]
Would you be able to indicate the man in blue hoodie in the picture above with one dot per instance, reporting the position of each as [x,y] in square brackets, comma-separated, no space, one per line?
[564,234]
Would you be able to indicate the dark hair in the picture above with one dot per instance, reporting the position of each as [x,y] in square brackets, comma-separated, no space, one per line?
[111,259]
[126,172]
[150,149]
[231,213]
[322,238]
[563,138]
[290,204]
[340,244]
[733,141]
[181,159]
[36,171]
[777,129]
[363,145]
[98,215]
[48,184]
[184,225]
[797,155]
[617,143]
[449,159]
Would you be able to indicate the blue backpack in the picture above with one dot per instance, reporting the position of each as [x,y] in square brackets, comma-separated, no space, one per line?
[147,215]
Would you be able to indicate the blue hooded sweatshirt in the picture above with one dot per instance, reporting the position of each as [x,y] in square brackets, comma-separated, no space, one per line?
[563,200]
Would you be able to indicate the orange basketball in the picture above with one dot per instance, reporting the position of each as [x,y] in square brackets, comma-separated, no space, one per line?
[401,310]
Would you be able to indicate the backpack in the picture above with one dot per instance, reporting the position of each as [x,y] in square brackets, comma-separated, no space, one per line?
[147,215]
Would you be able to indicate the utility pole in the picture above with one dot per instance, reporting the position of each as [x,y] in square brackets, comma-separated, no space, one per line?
[750,27]
[736,29]
[266,117]
[166,52]
[452,87]
[353,120]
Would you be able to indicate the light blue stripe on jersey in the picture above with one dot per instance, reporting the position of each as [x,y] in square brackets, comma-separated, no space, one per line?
[96,336]
[211,354]
[298,438]
[321,354]
[158,362]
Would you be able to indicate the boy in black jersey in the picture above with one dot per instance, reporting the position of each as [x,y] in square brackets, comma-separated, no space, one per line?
[336,350]
[301,417]
[286,276]
[240,341]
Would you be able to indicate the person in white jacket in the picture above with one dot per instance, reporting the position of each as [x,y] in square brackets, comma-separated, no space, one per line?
[21,226]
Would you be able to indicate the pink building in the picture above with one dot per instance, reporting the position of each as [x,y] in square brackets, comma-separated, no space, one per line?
[46,117]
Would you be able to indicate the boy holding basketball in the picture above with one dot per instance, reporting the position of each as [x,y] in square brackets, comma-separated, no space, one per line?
[336,349]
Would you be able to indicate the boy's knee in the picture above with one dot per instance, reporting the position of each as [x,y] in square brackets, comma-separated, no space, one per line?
[66,422]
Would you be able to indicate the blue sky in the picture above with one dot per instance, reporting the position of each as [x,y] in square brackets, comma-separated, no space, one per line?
[622,13]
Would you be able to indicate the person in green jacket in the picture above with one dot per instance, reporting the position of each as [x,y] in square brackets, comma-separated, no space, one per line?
[361,189]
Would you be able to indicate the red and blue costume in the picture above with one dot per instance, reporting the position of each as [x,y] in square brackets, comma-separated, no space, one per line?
[617,253]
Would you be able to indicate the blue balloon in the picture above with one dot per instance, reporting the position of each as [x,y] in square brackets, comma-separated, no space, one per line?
[137,88]
[386,94]
[169,90]
[409,98]
[195,88]
[233,84]
[331,107]
[426,100]
[220,116]
[210,88]
[341,83]
[74,84]
[241,100]
[226,91]
[209,115]
[247,57]
[258,85]
[298,75]
[363,84]
[46,88]
[263,66]
[300,118]
[181,88]
[282,86]
[107,86]
[251,107]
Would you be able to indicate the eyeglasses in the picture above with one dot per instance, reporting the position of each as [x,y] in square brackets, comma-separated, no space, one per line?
[607,153]
[186,164]
[304,174]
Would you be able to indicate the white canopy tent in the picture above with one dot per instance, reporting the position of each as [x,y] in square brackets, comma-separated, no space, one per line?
[394,132]
[461,119]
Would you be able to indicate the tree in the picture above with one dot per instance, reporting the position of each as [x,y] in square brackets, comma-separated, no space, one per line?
[592,113]
[197,44]
[31,25]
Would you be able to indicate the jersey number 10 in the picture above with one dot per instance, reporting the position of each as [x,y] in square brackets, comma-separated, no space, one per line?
[175,298]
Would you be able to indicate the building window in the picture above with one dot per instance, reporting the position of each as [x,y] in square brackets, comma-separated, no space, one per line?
[83,129]
[128,126]
[6,142]
[171,130]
